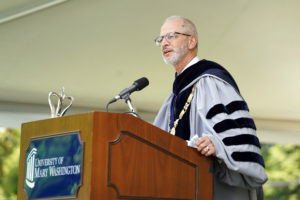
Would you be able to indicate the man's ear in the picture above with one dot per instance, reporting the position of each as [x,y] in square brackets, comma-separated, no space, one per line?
[192,42]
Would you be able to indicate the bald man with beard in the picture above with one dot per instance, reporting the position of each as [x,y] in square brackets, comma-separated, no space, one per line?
[206,109]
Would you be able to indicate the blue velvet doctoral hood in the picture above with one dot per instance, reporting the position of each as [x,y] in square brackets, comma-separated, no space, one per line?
[180,96]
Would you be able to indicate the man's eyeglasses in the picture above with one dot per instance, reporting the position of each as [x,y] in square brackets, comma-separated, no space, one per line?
[169,37]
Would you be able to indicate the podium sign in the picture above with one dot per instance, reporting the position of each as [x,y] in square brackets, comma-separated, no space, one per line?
[53,166]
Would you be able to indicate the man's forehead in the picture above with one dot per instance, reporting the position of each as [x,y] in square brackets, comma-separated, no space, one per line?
[175,25]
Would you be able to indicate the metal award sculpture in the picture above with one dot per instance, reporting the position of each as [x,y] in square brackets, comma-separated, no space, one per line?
[59,111]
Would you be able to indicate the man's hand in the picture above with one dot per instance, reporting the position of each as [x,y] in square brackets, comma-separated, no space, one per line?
[205,146]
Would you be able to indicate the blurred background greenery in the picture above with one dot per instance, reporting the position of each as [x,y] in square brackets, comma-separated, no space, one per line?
[283,168]
[282,165]
[9,162]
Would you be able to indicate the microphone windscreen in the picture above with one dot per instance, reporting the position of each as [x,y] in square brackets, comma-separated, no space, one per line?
[141,83]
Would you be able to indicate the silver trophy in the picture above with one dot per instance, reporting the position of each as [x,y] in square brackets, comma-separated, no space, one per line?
[60,109]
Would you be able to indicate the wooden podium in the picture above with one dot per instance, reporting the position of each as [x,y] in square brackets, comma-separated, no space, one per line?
[127,158]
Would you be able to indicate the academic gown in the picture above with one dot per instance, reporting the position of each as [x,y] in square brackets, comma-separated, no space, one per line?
[218,111]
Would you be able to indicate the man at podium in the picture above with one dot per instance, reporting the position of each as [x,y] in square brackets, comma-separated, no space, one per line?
[206,109]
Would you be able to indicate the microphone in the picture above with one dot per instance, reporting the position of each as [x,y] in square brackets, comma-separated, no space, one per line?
[136,86]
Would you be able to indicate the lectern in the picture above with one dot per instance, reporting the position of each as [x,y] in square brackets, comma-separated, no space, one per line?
[109,156]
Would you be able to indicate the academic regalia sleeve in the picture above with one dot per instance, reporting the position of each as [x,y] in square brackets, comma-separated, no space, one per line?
[219,112]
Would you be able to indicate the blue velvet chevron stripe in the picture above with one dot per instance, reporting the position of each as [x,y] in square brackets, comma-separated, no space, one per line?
[242,139]
[228,109]
[228,124]
[248,156]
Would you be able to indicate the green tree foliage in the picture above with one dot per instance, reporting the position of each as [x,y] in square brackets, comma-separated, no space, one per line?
[9,162]
[283,168]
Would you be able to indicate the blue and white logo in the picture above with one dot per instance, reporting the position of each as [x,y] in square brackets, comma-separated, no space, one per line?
[30,168]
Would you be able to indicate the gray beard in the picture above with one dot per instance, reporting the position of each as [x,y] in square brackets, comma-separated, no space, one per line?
[178,54]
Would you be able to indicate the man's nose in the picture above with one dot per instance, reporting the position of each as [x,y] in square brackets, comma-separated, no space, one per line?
[164,43]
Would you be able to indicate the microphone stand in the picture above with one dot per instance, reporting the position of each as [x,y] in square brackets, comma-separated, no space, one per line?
[128,101]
